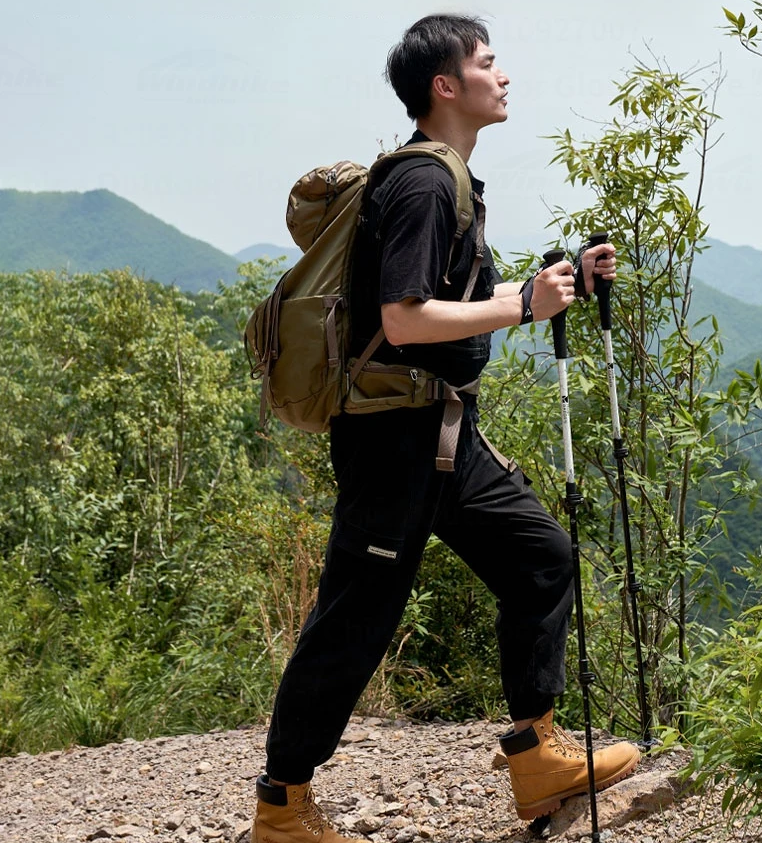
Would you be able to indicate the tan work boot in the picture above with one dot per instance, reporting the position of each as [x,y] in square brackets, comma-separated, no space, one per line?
[547,765]
[289,814]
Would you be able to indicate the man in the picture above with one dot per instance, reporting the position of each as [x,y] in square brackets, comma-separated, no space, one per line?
[408,276]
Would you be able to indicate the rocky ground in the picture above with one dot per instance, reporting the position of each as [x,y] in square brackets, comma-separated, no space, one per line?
[390,781]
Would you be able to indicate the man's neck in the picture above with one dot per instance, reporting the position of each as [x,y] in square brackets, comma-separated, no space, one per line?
[462,141]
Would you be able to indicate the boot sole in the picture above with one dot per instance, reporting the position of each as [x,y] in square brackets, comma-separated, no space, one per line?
[548,806]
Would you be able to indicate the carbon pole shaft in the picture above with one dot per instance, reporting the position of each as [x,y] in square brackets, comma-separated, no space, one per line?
[603,293]
[573,500]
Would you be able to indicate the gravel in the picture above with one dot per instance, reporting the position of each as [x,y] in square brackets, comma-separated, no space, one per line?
[390,781]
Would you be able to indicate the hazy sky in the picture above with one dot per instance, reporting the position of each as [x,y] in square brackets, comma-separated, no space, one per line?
[205,112]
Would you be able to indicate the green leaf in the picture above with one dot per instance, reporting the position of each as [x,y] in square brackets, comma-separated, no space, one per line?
[727,798]
[756,688]
[730,16]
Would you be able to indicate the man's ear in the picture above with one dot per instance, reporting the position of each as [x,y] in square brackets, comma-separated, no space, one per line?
[443,86]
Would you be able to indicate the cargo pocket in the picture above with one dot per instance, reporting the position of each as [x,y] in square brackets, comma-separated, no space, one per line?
[373,508]
[388,490]
[382,548]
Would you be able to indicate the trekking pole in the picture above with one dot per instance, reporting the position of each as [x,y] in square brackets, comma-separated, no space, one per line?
[603,292]
[573,500]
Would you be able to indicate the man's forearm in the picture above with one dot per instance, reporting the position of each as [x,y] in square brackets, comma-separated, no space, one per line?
[507,289]
[414,321]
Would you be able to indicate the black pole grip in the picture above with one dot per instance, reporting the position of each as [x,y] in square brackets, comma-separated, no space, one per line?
[558,322]
[602,287]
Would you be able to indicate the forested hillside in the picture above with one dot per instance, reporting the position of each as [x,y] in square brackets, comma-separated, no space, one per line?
[739,321]
[89,232]
[97,230]
[734,270]
[269,250]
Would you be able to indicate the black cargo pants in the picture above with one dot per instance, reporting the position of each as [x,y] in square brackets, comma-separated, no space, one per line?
[390,500]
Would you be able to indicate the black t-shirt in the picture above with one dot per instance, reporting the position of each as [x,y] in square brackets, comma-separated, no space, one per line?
[402,251]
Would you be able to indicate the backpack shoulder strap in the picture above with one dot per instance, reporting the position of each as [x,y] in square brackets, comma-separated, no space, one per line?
[467,201]
[449,158]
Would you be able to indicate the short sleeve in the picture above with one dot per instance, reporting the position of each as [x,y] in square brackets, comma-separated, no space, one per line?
[416,210]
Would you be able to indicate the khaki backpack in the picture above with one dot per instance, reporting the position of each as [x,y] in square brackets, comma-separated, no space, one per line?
[297,339]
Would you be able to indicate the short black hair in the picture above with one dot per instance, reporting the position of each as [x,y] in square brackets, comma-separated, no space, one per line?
[435,44]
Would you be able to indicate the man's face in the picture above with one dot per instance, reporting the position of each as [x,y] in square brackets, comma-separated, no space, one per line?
[481,94]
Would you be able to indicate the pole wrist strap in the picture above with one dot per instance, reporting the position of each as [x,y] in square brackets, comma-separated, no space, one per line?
[579,277]
[526,291]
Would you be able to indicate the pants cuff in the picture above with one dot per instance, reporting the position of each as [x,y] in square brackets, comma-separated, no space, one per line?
[289,775]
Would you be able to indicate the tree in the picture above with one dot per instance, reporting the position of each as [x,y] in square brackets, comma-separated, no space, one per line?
[676,427]
[124,450]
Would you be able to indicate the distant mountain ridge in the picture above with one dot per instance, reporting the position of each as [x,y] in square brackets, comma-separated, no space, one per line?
[96,230]
[740,322]
[734,270]
[268,250]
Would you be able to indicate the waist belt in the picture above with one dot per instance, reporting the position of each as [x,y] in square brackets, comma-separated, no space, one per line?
[436,389]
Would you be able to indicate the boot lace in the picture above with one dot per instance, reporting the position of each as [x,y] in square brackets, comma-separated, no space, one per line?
[564,743]
[310,814]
